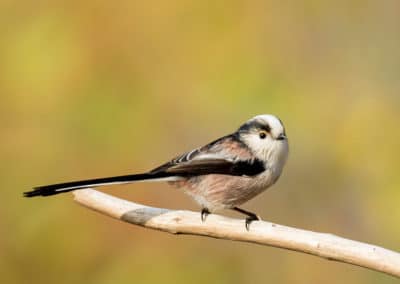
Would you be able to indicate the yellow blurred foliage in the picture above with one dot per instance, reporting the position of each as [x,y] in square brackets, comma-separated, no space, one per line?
[99,88]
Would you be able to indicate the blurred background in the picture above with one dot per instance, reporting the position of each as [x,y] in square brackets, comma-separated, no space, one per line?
[102,88]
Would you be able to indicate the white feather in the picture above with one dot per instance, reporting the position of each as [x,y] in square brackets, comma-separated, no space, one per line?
[172,178]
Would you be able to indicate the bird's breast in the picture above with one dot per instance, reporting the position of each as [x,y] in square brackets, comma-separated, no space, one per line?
[224,191]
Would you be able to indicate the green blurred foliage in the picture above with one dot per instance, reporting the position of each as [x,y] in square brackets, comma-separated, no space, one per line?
[99,88]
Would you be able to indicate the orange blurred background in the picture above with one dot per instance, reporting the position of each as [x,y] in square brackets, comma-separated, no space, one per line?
[100,88]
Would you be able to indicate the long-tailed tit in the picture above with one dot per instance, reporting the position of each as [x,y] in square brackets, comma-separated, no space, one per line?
[223,174]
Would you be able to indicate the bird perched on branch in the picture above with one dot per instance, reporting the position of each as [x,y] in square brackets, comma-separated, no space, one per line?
[223,174]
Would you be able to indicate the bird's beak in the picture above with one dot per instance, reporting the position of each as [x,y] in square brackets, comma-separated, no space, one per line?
[281,137]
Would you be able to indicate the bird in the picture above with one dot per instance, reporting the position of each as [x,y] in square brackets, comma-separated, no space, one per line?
[222,174]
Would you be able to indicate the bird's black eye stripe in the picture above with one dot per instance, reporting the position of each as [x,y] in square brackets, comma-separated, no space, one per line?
[266,128]
[249,126]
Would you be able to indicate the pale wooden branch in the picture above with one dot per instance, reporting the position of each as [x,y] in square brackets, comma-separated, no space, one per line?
[264,233]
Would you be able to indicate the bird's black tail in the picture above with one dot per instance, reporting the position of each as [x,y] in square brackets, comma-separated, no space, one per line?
[53,189]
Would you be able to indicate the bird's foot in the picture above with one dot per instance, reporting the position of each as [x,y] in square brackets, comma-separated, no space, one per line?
[251,219]
[250,216]
[204,213]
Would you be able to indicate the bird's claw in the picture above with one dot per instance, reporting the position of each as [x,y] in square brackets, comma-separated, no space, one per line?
[251,219]
[204,213]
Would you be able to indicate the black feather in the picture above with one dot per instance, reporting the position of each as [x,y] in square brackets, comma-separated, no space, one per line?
[53,189]
[216,166]
[185,165]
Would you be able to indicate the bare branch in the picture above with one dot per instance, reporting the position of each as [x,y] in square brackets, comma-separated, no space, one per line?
[264,233]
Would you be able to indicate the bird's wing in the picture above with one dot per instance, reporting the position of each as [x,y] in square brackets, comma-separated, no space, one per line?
[227,155]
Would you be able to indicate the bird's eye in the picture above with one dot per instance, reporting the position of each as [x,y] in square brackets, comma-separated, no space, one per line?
[263,134]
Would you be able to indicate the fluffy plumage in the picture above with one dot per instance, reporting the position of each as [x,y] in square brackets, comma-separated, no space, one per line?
[220,175]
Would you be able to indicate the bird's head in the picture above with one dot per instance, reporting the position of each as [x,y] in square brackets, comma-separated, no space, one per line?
[265,135]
